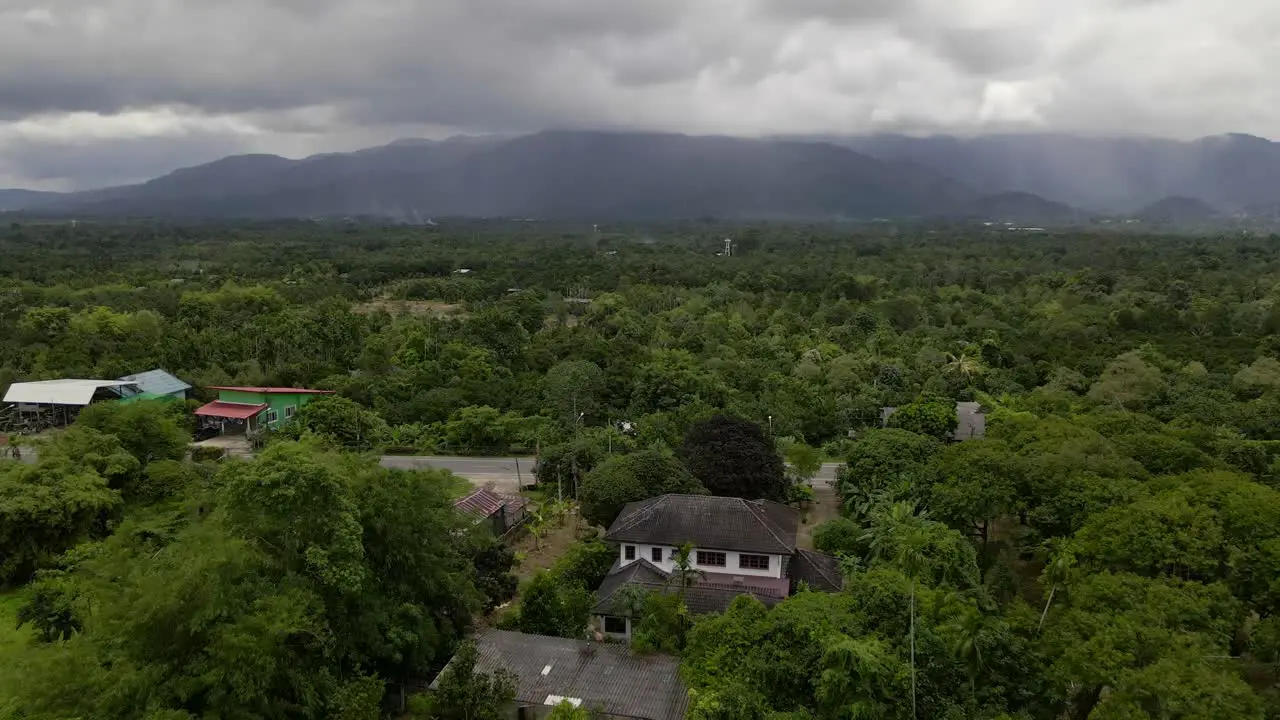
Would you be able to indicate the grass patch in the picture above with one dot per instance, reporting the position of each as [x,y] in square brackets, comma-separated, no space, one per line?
[12,640]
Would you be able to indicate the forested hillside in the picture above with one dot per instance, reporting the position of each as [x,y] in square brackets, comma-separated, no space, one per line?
[1110,549]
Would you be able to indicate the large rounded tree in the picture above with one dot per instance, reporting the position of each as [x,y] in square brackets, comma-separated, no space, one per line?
[734,458]
[629,478]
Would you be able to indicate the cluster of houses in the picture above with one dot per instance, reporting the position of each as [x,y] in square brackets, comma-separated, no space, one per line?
[737,548]
[238,410]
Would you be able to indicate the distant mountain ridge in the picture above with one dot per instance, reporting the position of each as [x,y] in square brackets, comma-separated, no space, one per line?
[548,175]
[1035,178]
[1113,175]
[14,199]
[1178,209]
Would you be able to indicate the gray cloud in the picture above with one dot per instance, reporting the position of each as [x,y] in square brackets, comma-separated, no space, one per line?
[92,91]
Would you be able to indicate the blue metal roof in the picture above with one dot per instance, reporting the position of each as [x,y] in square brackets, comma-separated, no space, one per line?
[158,382]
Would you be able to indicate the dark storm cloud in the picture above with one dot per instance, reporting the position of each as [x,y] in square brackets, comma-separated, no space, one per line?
[117,161]
[298,76]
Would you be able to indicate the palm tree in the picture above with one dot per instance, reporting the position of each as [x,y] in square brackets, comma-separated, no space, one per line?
[684,574]
[966,645]
[964,366]
[1060,570]
[898,533]
[912,560]
[537,523]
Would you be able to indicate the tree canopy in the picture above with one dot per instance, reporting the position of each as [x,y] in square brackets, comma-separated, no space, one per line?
[1106,549]
[733,457]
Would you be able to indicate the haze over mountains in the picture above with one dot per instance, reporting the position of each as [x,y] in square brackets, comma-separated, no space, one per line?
[603,175]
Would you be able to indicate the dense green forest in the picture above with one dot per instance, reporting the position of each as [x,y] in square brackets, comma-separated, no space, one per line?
[1110,549]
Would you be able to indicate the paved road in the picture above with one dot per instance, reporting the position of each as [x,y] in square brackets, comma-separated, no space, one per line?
[504,473]
[827,475]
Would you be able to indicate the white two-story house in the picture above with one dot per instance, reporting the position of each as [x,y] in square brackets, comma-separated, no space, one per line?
[738,547]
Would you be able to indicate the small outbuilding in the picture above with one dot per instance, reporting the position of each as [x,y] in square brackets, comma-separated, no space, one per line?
[503,513]
[156,385]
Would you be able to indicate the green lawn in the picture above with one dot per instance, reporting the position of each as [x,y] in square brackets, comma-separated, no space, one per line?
[11,641]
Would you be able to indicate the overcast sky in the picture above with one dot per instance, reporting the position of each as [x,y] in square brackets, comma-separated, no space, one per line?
[96,92]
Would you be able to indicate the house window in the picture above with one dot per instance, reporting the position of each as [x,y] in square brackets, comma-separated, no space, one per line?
[629,552]
[272,416]
[290,411]
[656,554]
[711,559]
[615,625]
[753,562]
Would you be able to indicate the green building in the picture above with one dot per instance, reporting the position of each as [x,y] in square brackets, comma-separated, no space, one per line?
[253,409]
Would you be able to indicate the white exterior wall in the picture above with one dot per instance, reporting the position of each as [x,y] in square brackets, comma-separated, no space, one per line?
[730,564]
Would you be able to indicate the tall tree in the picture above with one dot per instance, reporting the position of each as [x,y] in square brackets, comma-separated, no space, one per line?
[733,457]
[467,694]
[629,478]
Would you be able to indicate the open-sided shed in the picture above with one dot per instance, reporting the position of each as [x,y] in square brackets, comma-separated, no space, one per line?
[50,403]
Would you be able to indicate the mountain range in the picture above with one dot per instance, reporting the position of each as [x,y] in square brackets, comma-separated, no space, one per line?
[1033,178]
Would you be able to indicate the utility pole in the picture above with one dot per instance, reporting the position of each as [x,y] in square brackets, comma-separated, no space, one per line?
[573,457]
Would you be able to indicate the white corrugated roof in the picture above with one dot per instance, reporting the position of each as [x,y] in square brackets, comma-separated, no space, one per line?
[58,392]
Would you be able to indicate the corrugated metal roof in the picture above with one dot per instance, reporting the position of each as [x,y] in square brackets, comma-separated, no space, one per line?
[158,381]
[59,392]
[234,411]
[604,676]
[484,502]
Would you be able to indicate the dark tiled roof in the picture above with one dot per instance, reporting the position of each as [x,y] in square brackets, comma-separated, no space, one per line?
[820,571]
[605,676]
[641,572]
[484,503]
[708,593]
[721,523]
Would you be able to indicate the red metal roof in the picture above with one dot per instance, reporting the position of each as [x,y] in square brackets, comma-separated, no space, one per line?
[483,503]
[272,390]
[235,411]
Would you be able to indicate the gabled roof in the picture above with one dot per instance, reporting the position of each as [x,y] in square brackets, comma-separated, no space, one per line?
[59,392]
[599,676]
[271,390]
[159,382]
[641,572]
[484,503]
[721,523]
[707,593]
[819,571]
